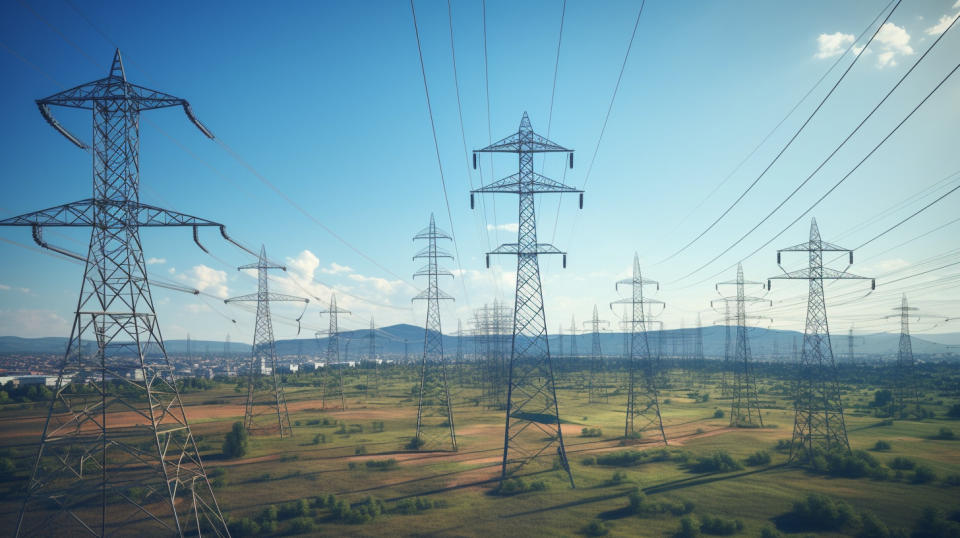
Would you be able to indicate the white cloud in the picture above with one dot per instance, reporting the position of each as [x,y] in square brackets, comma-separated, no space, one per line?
[380,284]
[197,308]
[942,24]
[893,41]
[207,279]
[4,287]
[830,45]
[957,5]
[336,268]
[513,227]
[153,261]
[304,265]
[33,323]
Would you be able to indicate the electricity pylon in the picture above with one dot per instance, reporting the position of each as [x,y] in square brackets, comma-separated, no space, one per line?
[643,392]
[565,367]
[332,358]
[265,402]
[698,355]
[727,346]
[532,414]
[372,370]
[95,474]
[818,423]
[745,404]
[458,359]
[597,385]
[906,389]
[434,410]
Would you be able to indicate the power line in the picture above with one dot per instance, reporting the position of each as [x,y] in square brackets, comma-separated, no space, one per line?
[436,145]
[794,137]
[834,152]
[782,120]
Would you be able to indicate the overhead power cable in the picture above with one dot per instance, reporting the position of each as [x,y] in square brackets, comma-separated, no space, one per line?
[830,156]
[792,139]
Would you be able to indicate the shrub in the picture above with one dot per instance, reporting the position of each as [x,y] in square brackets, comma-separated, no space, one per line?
[589,460]
[945,434]
[298,508]
[954,411]
[618,477]
[761,457]
[360,450]
[416,443]
[934,524]
[416,504]
[770,532]
[514,486]
[718,462]
[7,469]
[720,526]
[235,443]
[856,464]
[303,525]
[319,438]
[269,513]
[244,527]
[902,463]
[596,528]
[382,465]
[783,444]
[591,432]
[952,480]
[688,528]
[923,475]
[819,512]
[872,527]
[882,445]
[718,413]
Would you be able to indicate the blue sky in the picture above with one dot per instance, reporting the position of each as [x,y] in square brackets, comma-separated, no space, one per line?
[325,101]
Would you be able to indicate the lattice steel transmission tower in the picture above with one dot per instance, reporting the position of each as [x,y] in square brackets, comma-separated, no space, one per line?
[745,404]
[94,474]
[371,370]
[643,391]
[597,386]
[435,409]
[266,402]
[905,387]
[332,358]
[458,359]
[532,415]
[819,423]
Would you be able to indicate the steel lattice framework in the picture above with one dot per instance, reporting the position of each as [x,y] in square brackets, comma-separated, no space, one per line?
[332,357]
[434,409]
[818,423]
[643,391]
[96,474]
[372,368]
[905,387]
[745,404]
[532,414]
[597,386]
[265,400]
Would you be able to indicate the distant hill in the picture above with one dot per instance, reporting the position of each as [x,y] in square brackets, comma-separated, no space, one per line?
[764,343]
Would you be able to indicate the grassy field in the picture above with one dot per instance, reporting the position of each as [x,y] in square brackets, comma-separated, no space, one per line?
[358,456]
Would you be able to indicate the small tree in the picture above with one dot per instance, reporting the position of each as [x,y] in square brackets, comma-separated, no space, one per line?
[235,444]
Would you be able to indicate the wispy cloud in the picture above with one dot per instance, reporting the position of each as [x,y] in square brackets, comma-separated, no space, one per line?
[508,227]
[335,268]
[830,45]
[207,279]
[893,41]
[156,261]
[943,23]
[4,287]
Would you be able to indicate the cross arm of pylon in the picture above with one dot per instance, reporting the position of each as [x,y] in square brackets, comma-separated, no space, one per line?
[530,182]
[826,274]
[435,233]
[425,296]
[636,282]
[272,297]
[426,252]
[440,271]
[81,213]
[528,143]
[514,249]
[631,300]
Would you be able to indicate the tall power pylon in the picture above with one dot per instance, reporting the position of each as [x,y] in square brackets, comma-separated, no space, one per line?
[265,400]
[458,359]
[745,404]
[597,385]
[532,414]
[372,370]
[332,358]
[818,423]
[434,410]
[643,391]
[93,473]
[727,347]
[905,387]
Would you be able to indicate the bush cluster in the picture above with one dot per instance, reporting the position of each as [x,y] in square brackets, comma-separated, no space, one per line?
[760,457]
[514,486]
[630,458]
[382,465]
[591,432]
[235,444]
[718,462]
[639,505]
[417,504]
[720,526]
